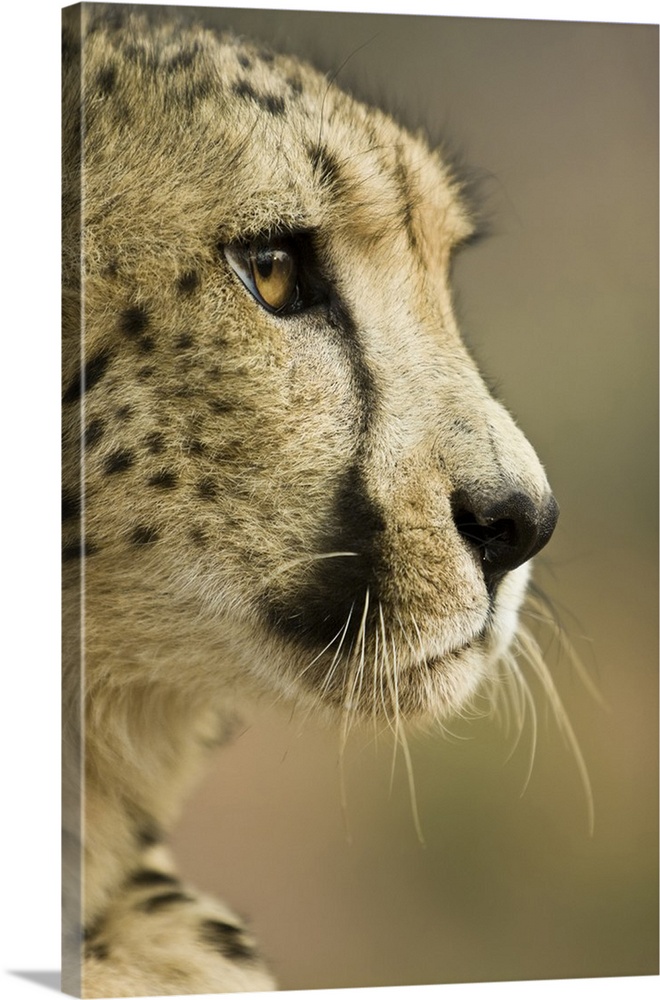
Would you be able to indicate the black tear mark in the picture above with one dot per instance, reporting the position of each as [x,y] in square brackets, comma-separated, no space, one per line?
[144,534]
[149,876]
[227,939]
[164,480]
[267,102]
[92,372]
[79,549]
[133,321]
[333,593]
[118,461]
[187,283]
[156,903]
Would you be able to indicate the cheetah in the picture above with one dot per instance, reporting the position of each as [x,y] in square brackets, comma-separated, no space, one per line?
[282,471]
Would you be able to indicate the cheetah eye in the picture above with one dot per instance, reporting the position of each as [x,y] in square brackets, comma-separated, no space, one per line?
[270,272]
[282,272]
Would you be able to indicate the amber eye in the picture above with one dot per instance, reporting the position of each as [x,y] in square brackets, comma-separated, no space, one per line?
[275,275]
[270,272]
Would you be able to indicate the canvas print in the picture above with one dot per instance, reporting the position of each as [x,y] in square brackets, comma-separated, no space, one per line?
[331,714]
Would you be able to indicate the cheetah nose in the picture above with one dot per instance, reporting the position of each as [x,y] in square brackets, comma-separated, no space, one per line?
[505,532]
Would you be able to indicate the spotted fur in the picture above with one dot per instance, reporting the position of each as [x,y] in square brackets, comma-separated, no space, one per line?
[324,503]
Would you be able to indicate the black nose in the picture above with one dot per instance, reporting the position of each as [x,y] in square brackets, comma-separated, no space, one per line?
[505,531]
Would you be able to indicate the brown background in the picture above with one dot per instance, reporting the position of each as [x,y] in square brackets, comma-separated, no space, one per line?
[560,308]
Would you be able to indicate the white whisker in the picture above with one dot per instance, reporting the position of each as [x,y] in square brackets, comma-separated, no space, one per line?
[528,646]
[304,561]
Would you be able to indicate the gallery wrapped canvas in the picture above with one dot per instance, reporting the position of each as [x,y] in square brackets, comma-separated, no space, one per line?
[299,522]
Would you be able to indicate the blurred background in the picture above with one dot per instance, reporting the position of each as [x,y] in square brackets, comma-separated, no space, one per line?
[557,122]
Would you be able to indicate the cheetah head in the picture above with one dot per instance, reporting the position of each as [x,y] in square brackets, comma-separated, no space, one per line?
[295,479]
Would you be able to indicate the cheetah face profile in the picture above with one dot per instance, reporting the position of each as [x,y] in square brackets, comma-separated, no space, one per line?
[283,473]
[294,476]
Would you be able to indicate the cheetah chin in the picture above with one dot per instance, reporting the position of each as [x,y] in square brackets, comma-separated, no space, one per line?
[283,473]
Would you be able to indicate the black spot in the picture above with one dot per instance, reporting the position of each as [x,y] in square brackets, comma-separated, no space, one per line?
[221,406]
[69,46]
[92,930]
[228,452]
[70,505]
[164,480]
[147,372]
[183,340]
[325,166]
[335,589]
[93,433]
[296,86]
[155,443]
[146,344]
[274,105]
[78,550]
[141,56]
[106,80]
[227,939]
[196,91]
[98,950]
[266,55]
[149,876]
[408,201]
[187,283]
[133,321]
[112,269]
[92,372]
[197,536]
[183,59]
[245,61]
[408,218]
[267,102]
[144,535]
[118,461]
[124,412]
[243,89]
[192,446]
[156,903]
[148,833]
[207,488]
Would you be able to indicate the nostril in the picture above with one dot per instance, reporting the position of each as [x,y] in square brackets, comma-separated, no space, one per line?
[486,536]
[504,532]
